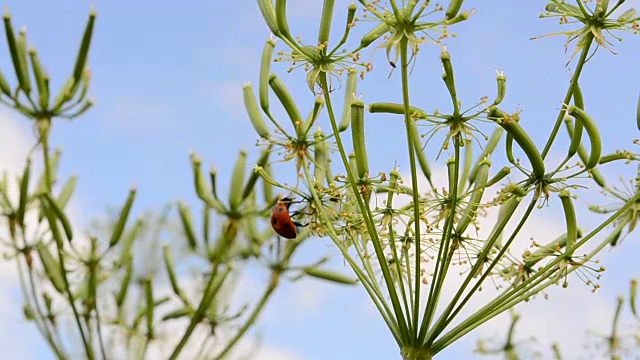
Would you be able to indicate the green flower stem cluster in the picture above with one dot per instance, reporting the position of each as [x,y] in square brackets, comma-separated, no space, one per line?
[387,244]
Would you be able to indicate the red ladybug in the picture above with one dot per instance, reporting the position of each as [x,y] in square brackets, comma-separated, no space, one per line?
[281,221]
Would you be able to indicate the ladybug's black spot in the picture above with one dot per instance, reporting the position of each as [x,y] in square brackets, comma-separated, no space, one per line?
[287,225]
[274,221]
[280,210]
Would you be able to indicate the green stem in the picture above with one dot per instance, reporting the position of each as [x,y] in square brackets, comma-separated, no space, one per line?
[366,214]
[44,125]
[370,284]
[567,97]
[524,291]
[214,283]
[442,263]
[414,183]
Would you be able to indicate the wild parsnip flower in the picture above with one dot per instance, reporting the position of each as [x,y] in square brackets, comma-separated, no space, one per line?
[596,23]
[413,24]
[630,218]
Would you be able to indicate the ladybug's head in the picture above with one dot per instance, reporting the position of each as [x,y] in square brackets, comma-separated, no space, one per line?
[286,201]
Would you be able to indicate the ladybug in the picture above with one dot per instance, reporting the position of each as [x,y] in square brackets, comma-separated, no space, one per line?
[281,221]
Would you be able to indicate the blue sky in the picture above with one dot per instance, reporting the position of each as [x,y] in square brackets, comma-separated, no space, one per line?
[167,80]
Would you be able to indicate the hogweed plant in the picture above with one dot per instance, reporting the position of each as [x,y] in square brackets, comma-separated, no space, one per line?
[140,288]
[402,242]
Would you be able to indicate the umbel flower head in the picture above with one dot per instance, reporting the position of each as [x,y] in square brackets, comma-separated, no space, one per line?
[596,23]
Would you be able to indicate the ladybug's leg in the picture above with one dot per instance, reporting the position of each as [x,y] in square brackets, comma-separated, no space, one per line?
[299,213]
[300,225]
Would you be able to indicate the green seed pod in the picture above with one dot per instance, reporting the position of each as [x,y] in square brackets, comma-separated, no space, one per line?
[27,310]
[570,218]
[201,187]
[476,197]
[448,78]
[373,35]
[83,52]
[516,190]
[458,18]
[353,164]
[52,269]
[126,280]
[128,239]
[237,179]
[58,213]
[148,294]
[267,187]
[486,152]
[451,172]
[395,108]
[216,204]
[633,294]
[612,157]
[502,88]
[453,8]
[51,219]
[562,8]
[582,152]
[269,15]
[21,72]
[21,47]
[638,113]
[349,96]
[520,136]
[578,100]
[420,154]
[178,313]
[187,225]
[325,21]
[321,153]
[168,262]
[253,178]
[86,106]
[394,175]
[24,193]
[66,192]
[92,281]
[42,79]
[592,131]
[303,129]
[253,111]
[351,15]
[504,213]
[64,94]
[329,276]
[4,85]
[551,248]
[265,69]
[601,8]
[281,19]
[498,177]
[627,16]
[85,80]
[286,99]
[122,219]
[357,135]
[206,224]
[329,174]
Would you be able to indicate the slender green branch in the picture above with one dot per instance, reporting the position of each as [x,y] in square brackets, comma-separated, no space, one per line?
[215,281]
[574,80]
[414,183]
[366,213]
[43,128]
